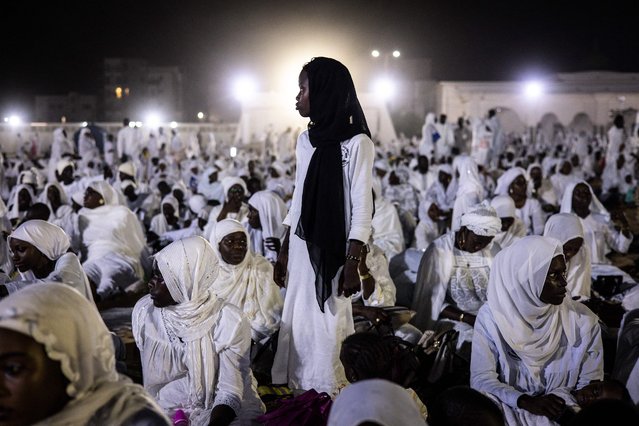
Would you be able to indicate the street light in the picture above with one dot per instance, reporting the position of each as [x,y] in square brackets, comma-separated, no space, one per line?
[387,55]
[200,115]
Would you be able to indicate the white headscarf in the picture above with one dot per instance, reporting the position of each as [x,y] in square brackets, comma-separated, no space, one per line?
[73,333]
[44,196]
[189,268]
[469,181]
[63,164]
[173,202]
[196,203]
[108,193]
[48,238]
[127,168]
[230,181]
[272,212]
[504,206]
[565,227]
[374,400]
[482,220]
[14,212]
[532,328]
[504,181]
[248,285]
[595,205]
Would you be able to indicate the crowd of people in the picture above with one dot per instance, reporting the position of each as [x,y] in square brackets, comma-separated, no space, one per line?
[469,276]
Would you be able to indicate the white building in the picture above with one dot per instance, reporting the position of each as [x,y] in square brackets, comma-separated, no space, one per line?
[574,99]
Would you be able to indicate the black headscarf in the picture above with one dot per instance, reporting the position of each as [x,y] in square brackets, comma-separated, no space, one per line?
[336,116]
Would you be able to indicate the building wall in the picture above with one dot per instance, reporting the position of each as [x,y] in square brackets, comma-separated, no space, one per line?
[132,88]
[73,107]
[595,94]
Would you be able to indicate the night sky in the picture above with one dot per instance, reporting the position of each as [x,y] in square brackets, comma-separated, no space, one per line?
[53,49]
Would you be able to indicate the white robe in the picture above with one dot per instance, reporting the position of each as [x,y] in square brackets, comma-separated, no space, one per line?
[497,371]
[309,340]
[165,371]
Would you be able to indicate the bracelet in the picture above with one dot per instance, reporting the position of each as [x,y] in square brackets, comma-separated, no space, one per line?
[461,317]
[365,277]
[351,257]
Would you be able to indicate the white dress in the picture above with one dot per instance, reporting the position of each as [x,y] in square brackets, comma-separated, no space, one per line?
[497,370]
[165,372]
[309,341]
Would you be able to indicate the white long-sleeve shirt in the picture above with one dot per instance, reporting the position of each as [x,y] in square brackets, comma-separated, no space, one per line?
[496,369]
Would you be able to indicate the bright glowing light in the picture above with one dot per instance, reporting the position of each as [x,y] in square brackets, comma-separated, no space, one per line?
[138,124]
[200,115]
[396,53]
[244,88]
[152,120]
[6,119]
[233,151]
[375,53]
[85,124]
[173,125]
[533,89]
[384,88]
[14,120]
[131,123]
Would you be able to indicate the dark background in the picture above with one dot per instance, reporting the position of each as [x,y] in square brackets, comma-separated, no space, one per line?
[57,47]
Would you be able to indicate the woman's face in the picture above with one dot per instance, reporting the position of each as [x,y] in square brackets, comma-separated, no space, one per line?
[235,194]
[169,212]
[472,243]
[178,194]
[158,290]
[53,195]
[25,256]
[233,248]
[32,386]
[554,290]
[303,99]
[92,199]
[24,200]
[517,189]
[506,223]
[572,247]
[581,199]
[433,212]
[254,218]
[444,178]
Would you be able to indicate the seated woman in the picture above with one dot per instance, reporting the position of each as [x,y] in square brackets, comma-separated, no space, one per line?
[58,357]
[542,189]
[515,184]
[20,202]
[532,345]
[512,228]
[453,274]
[233,207]
[41,253]
[265,218]
[194,347]
[566,227]
[245,280]
[427,229]
[112,241]
[403,196]
[167,220]
[61,211]
[470,190]
[444,189]
[600,235]
[387,227]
